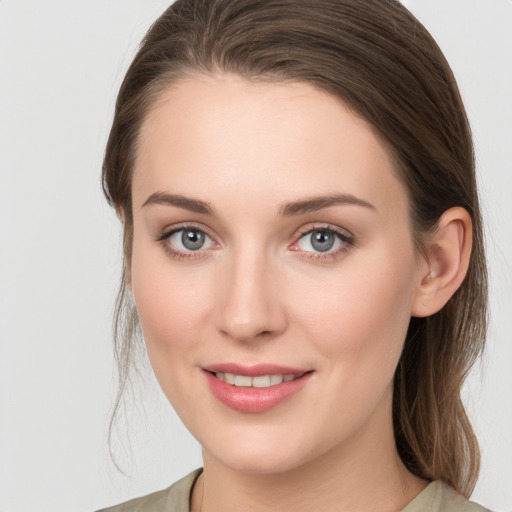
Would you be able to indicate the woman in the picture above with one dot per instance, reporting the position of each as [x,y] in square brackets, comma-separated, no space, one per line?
[303,246]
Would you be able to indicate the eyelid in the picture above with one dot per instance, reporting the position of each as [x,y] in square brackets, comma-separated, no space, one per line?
[193,226]
[325,226]
[344,235]
[164,236]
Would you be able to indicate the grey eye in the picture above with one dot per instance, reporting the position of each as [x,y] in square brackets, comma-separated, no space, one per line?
[190,240]
[320,240]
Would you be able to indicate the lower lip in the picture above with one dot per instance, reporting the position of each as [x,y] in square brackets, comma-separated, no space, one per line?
[254,400]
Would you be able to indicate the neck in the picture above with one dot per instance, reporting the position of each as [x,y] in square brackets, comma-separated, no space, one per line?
[362,473]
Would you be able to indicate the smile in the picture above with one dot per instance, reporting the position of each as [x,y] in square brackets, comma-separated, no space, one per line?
[254,389]
[261,381]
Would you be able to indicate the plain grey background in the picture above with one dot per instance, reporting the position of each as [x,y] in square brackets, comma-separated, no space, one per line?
[61,63]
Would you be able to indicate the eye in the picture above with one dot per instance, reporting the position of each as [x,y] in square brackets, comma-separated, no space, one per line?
[190,240]
[185,242]
[323,240]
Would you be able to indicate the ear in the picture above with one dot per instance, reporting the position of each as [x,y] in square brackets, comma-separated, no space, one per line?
[448,251]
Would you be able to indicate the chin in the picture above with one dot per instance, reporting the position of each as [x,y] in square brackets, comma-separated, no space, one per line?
[259,463]
[261,454]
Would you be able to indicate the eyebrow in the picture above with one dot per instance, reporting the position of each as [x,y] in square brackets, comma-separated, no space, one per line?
[299,207]
[187,203]
[314,204]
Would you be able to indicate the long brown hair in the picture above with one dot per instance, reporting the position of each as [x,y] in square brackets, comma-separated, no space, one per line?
[377,58]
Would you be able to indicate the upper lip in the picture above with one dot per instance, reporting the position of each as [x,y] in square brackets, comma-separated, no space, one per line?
[254,370]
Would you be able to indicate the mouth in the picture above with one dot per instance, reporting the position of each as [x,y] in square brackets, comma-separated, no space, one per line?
[260,381]
[255,389]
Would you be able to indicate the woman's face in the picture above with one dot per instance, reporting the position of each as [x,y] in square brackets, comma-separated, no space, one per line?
[273,270]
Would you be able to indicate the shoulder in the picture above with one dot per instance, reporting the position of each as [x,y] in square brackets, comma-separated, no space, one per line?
[439,497]
[175,498]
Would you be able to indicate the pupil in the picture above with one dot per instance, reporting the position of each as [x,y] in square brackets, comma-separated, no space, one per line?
[322,240]
[192,240]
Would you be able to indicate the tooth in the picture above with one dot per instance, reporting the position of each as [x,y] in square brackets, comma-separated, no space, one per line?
[276,379]
[243,380]
[229,378]
[262,381]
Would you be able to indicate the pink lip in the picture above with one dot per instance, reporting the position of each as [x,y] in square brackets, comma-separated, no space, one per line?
[249,399]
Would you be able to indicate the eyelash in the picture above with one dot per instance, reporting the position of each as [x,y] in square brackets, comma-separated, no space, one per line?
[164,237]
[347,241]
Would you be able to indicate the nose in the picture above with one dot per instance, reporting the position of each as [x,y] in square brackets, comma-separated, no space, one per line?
[250,305]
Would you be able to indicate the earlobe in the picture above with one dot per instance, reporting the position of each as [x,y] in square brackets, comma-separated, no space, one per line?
[448,254]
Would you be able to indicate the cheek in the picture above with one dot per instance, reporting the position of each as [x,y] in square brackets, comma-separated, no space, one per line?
[170,306]
[358,319]
[171,302]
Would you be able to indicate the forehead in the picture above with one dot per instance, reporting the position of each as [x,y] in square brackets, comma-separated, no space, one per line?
[284,139]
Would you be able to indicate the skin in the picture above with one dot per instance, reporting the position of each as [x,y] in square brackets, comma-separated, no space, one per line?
[258,292]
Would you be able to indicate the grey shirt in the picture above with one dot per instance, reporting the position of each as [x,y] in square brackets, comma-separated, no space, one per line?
[436,497]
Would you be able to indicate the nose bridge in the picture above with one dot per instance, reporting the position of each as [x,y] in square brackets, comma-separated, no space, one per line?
[249,306]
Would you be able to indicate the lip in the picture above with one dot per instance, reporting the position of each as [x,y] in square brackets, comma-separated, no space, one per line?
[250,399]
